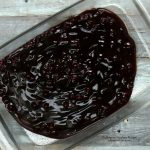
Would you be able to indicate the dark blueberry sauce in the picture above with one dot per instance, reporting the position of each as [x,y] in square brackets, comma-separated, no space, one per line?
[70,76]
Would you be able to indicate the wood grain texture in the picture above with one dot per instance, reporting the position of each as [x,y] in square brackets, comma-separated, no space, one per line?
[10,27]
[32,7]
[16,16]
[114,148]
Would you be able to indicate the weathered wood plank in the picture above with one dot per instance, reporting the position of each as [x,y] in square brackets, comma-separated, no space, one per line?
[112,148]
[32,7]
[10,27]
[133,132]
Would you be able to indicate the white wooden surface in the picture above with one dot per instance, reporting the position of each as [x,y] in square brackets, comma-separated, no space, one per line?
[17,16]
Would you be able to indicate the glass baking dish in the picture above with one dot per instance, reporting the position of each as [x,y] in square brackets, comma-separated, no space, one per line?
[19,138]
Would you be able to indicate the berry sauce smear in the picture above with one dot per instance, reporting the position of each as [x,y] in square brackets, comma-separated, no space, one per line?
[70,76]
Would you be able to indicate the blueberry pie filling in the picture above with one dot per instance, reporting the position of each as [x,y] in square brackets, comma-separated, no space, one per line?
[70,76]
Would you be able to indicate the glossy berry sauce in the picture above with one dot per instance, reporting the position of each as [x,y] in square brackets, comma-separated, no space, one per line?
[71,75]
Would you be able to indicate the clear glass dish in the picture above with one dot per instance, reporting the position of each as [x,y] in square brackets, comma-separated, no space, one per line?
[19,138]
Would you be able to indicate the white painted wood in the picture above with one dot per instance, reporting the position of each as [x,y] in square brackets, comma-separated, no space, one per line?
[32,7]
[10,27]
[112,148]
[17,16]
